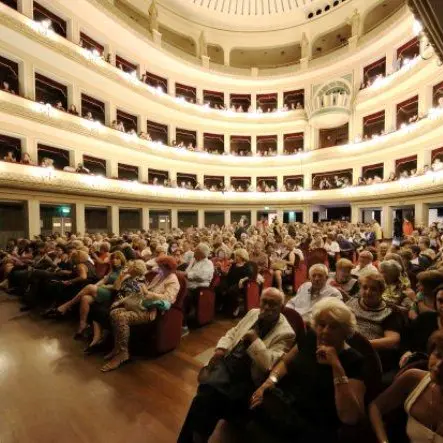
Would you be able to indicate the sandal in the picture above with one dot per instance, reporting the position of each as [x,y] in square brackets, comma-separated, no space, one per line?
[53,313]
[115,363]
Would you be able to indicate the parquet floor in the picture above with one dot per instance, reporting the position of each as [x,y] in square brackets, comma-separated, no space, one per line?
[51,393]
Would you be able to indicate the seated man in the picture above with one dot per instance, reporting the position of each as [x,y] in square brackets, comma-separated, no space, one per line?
[242,358]
[365,265]
[313,291]
[199,274]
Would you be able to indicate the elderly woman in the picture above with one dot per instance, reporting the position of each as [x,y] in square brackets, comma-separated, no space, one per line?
[319,383]
[376,320]
[365,265]
[99,292]
[282,268]
[141,305]
[343,280]
[421,392]
[228,292]
[394,293]
[404,274]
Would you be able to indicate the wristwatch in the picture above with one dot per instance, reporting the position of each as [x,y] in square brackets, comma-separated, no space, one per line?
[273,378]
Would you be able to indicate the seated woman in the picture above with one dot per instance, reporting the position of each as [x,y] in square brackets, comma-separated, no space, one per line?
[83,273]
[221,262]
[376,320]
[424,300]
[318,385]
[395,291]
[421,392]
[282,268]
[98,292]
[141,305]
[101,259]
[415,337]
[343,280]
[228,292]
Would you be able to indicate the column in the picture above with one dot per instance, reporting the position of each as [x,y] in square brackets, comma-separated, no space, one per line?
[172,175]
[110,112]
[391,60]
[424,100]
[199,96]
[74,96]
[280,213]
[254,144]
[201,178]
[227,141]
[26,80]
[114,219]
[110,53]
[75,157]
[355,214]
[201,218]
[227,99]
[227,56]
[29,145]
[174,218]
[80,224]
[112,168]
[227,180]
[73,31]
[142,123]
[280,144]
[421,217]
[171,87]
[157,36]
[307,214]
[253,217]
[145,218]
[307,181]
[33,217]
[387,222]
[172,133]
[390,118]
[424,157]
[200,141]
[388,167]
[356,173]
[280,100]
[279,182]
[254,101]
[26,7]
[227,217]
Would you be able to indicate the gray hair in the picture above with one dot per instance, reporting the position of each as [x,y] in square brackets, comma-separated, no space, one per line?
[204,249]
[274,291]
[338,311]
[367,253]
[391,266]
[318,267]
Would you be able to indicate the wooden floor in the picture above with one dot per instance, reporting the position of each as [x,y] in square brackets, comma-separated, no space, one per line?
[51,393]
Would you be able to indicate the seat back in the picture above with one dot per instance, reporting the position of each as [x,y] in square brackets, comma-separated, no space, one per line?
[301,275]
[267,276]
[296,322]
[372,370]
[252,296]
[317,255]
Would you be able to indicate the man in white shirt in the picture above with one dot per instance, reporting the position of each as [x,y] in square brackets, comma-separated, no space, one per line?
[199,274]
[311,292]
[365,265]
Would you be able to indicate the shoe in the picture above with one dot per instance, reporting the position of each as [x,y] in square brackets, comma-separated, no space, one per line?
[185,331]
[92,349]
[53,313]
[82,334]
[25,308]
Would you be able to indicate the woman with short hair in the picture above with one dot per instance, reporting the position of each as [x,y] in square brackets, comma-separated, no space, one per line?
[344,281]
[319,383]
[141,305]
[394,293]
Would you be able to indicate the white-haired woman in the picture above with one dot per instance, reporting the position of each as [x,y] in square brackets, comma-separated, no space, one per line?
[394,293]
[318,385]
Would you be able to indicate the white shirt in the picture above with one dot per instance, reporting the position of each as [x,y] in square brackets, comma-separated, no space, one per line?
[203,269]
[303,301]
[332,248]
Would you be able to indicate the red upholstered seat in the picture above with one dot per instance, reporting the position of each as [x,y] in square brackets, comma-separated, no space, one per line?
[205,309]
[296,321]
[267,276]
[300,275]
[317,255]
[252,296]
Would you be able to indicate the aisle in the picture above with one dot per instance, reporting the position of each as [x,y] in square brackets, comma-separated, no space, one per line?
[51,393]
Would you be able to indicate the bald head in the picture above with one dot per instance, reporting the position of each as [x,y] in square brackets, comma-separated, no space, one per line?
[271,304]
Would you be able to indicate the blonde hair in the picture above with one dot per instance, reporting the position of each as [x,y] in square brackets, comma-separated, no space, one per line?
[338,311]
[242,253]
[344,263]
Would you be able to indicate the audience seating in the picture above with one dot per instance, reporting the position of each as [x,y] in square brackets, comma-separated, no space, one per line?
[317,255]
[296,322]
[267,276]
[252,295]
[205,308]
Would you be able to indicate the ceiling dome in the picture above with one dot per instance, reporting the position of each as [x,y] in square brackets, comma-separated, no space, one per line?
[249,15]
